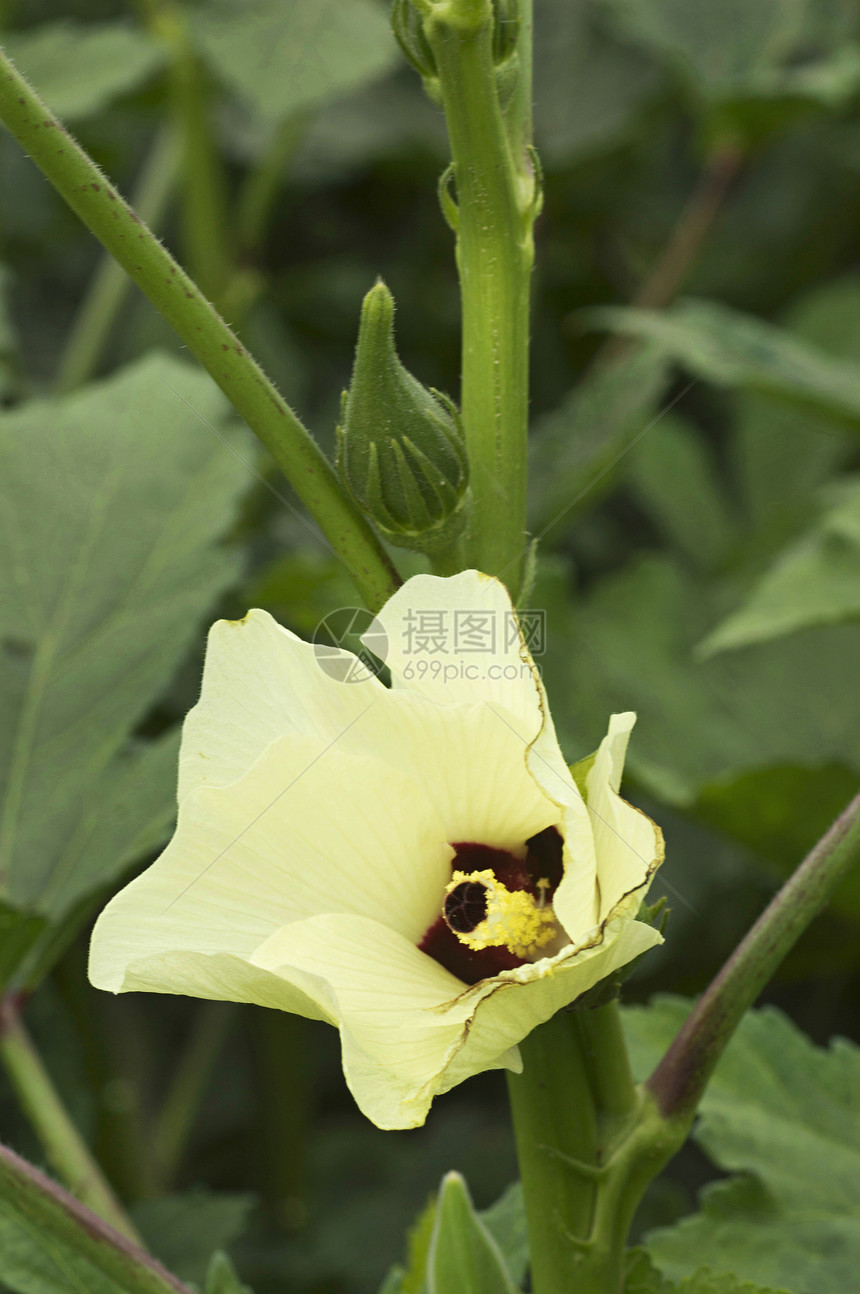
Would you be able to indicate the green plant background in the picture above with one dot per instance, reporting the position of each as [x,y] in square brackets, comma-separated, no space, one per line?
[700,565]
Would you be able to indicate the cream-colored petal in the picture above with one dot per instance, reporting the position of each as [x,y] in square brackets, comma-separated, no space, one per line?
[260,682]
[629,845]
[593,884]
[309,830]
[409,1029]
[505,680]
[471,766]
[397,1009]
[492,665]
[226,977]
[478,655]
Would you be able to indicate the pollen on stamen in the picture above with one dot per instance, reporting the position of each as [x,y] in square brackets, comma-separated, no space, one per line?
[484,913]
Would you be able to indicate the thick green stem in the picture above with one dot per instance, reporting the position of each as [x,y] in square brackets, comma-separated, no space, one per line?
[66,1149]
[555,1123]
[495,209]
[588,1143]
[50,1211]
[681,1077]
[605,1051]
[101,306]
[186,309]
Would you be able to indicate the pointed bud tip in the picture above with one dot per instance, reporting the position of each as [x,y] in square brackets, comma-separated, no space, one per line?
[400,446]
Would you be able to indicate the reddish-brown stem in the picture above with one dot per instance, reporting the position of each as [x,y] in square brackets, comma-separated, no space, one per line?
[680,1078]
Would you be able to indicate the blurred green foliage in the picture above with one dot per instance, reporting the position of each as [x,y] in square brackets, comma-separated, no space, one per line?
[699,565]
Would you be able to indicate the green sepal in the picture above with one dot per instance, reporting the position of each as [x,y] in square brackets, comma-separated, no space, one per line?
[401,452]
[579,772]
[506,29]
[608,989]
[463,1256]
[408,27]
[412,1279]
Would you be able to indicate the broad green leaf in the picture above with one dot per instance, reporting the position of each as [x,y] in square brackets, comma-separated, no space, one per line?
[285,56]
[633,640]
[123,816]
[591,89]
[642,1277]
[19,932]
[574,449]
[463,1255]
[506,1222]
[787,1115]
[184,1231]
[806,1252]
[112,503]
[782,452]
[81,68]
[729,348]
[709,1282]
[47,1247]
[729,51]
[815,581]
[674,477]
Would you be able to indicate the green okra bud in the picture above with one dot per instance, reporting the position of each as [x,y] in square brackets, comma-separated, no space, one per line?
[408,25]
[400,446]
[408,28]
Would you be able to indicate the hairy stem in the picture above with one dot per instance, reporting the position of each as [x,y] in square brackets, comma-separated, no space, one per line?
[605,1052]
[65,1147]
[588,1144]
[682,1074]
[495,209]
[555,1122]
[94,199]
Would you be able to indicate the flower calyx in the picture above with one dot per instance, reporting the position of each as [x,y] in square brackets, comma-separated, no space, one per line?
[401,452]
[408,23]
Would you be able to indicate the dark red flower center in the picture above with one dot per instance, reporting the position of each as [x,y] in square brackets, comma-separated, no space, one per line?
[465,907]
